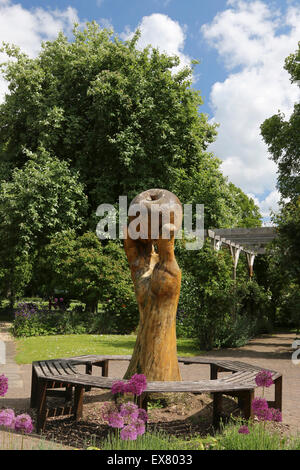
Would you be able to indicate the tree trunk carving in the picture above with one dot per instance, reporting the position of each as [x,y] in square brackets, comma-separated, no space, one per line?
[156,278]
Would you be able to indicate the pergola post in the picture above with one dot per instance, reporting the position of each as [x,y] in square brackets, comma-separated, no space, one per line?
[235,253]
[250,258]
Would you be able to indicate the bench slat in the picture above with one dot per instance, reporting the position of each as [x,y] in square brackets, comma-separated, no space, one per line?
[208,386]
[241,377]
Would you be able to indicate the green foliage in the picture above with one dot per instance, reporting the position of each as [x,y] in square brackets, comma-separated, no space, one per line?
[289,309]
[41,198]
[283,138]
[260,437]
[212,308]
[33,320]
[247,211]
[120,307]
[288,242]
[284,266]
[156,440]
[228,438]
[92,272]
[119,116]
[84,122]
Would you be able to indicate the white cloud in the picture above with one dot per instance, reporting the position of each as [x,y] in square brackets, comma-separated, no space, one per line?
[163,33]
[27,28]
[270,203]
[252,46]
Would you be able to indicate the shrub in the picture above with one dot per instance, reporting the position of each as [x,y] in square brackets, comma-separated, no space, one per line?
[212,308]
[37,321]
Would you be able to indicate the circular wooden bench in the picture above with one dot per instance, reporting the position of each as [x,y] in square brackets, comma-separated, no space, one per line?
[63,374]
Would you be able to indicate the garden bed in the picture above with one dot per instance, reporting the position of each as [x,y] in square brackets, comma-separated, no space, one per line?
[183,418]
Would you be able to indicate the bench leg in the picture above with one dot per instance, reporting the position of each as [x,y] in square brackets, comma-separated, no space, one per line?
[213,372]
[217,408]
[278,393]
[41,406]
[68,393]
[89,371]
[105,368]
[78,401]
[34,388]
[245,398]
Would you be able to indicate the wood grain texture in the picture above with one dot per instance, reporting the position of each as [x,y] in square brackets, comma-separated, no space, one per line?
[157,278]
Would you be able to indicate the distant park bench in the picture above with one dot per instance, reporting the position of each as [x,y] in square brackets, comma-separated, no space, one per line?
[63,374]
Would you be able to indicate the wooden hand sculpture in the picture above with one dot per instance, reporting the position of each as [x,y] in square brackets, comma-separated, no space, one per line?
[157,278]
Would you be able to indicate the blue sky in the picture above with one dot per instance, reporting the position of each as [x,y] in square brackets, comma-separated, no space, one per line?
[241,46]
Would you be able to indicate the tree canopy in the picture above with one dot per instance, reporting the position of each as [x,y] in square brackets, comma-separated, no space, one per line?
[119,116]
[84,122]
[283,138]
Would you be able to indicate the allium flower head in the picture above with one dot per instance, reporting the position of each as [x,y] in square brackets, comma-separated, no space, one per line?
[3,385]
[7,418]
[118,387]
[244,430]
[129,410]
[139,426]
[137,384]
[23,423]
[115,420]
[259,404]
[275,415]
[264,414]
[264,378]
[129,432]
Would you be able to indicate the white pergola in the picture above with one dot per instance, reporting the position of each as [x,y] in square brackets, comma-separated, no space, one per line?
[251,241]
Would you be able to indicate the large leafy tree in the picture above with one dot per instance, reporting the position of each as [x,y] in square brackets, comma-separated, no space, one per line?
[118,115]
[247,212]
[89,120]
[40,199]
[88,270]
[283,140]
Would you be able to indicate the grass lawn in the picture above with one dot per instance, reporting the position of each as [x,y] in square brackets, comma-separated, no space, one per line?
[51,347]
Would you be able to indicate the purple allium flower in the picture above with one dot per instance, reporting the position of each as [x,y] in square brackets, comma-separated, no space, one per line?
[138,384]
[7,418]
[143,415]
[244,430]
[275,415]
[259,404]
[23,423]
[3,385]
[264,379]
[129,432]
[61,299]
[264,414]
[139,426]
[118,387]
[129,410]
[115,420]
[56,299]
